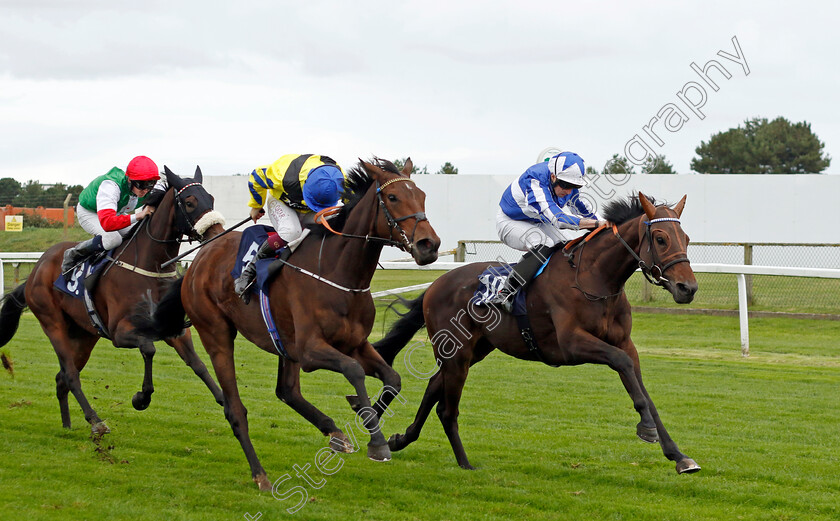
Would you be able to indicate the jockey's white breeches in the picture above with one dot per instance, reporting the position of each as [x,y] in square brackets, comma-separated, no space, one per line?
[89,222]
[525,235]
[286,221]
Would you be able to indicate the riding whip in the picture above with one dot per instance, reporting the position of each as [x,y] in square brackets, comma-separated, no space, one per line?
[179,257]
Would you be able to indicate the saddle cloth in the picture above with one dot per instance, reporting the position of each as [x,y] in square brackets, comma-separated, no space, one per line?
[249,245]
[493,279]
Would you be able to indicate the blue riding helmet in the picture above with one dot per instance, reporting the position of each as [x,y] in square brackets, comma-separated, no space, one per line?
[323,187]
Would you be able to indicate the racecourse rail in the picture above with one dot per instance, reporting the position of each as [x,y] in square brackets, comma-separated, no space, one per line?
[740,271]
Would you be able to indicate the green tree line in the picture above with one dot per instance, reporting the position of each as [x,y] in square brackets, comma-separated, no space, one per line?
[33,194]
[758,147]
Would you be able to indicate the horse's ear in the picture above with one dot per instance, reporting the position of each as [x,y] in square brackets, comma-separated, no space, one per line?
[647,206]
[172,179]
[408,167]
[198,177]
[680,205]
[372,170]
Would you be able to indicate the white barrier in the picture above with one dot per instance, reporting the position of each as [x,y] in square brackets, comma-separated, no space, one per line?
[736,269]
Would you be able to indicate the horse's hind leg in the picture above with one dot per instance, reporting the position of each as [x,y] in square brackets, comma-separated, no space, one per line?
[454,374]
[183,345]
[288,391]
[143,397]
[61,392]
[72,357]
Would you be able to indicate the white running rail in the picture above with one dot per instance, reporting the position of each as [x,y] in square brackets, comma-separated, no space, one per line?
[736,269]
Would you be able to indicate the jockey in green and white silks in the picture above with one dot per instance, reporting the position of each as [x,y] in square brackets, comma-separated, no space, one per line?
[540,210]
[110,205]
[292,188]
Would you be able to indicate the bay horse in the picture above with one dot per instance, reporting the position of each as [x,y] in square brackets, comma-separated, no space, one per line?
[578,312]
[320,300]
[134,273]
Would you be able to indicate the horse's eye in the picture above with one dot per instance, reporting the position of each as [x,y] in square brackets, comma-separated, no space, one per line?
[190,205]
[392,198]
[660,241]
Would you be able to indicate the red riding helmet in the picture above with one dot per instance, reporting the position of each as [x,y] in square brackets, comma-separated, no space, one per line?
[141,168]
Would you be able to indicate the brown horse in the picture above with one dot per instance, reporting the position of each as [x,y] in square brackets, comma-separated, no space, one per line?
[320,300]
[184,209]
[578,311]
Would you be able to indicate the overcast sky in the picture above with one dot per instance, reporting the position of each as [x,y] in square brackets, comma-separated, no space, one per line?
[88,84]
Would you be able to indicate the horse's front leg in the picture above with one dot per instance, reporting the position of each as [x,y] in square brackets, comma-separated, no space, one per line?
[143,397]
[655,430]
[317,354]
[183,345]
[374,365]
[585,348]
[288,391]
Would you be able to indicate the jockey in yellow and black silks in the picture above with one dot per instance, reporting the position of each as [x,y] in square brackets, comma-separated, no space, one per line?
[291,188]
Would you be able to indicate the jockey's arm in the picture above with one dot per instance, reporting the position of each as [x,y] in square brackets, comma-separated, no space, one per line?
[107,199]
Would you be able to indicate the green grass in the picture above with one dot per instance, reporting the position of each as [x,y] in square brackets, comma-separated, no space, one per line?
[548,443]
[39,239]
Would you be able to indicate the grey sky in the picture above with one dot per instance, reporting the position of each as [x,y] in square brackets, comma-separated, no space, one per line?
[87,85]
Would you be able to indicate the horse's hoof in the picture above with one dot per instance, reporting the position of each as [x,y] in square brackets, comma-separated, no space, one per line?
[647,434]
[339,442]
[354,402]
[379,452]
[99,429]
[395,442]
[140,401]
[687,466]
[467,466]
[263,482]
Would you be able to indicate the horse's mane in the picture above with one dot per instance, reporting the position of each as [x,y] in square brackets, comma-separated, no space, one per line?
[620,211]
[357,184]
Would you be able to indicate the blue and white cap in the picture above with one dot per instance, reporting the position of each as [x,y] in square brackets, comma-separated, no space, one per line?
[567,167]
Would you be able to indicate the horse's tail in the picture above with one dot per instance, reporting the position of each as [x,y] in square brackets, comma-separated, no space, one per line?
[402,331]
[13,305]
[164,319]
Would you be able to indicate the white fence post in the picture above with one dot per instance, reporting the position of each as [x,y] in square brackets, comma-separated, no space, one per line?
[743,314]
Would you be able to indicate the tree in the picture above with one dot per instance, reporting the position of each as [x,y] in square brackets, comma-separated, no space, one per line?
[9,189]
[618,165]
[448,169]
[762,147]
[400,163]
[658,165]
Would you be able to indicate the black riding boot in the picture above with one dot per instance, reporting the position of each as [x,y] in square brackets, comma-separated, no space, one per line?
[523,272]
[79,252]
[249,272]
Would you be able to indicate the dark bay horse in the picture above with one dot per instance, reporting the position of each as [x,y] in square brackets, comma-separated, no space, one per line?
[578,310]
[320,301]
[184,209]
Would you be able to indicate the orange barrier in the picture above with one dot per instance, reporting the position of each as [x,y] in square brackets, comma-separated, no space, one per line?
[53,214]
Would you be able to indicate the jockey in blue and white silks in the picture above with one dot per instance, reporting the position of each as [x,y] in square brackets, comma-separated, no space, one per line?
[532,212]
[539,210]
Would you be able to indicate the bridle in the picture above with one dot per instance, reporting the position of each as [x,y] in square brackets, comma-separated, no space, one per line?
[180,210]
[406,243]
[654,272]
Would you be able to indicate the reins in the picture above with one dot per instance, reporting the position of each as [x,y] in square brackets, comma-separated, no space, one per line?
[653,273]
[393,222]
[321,217]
